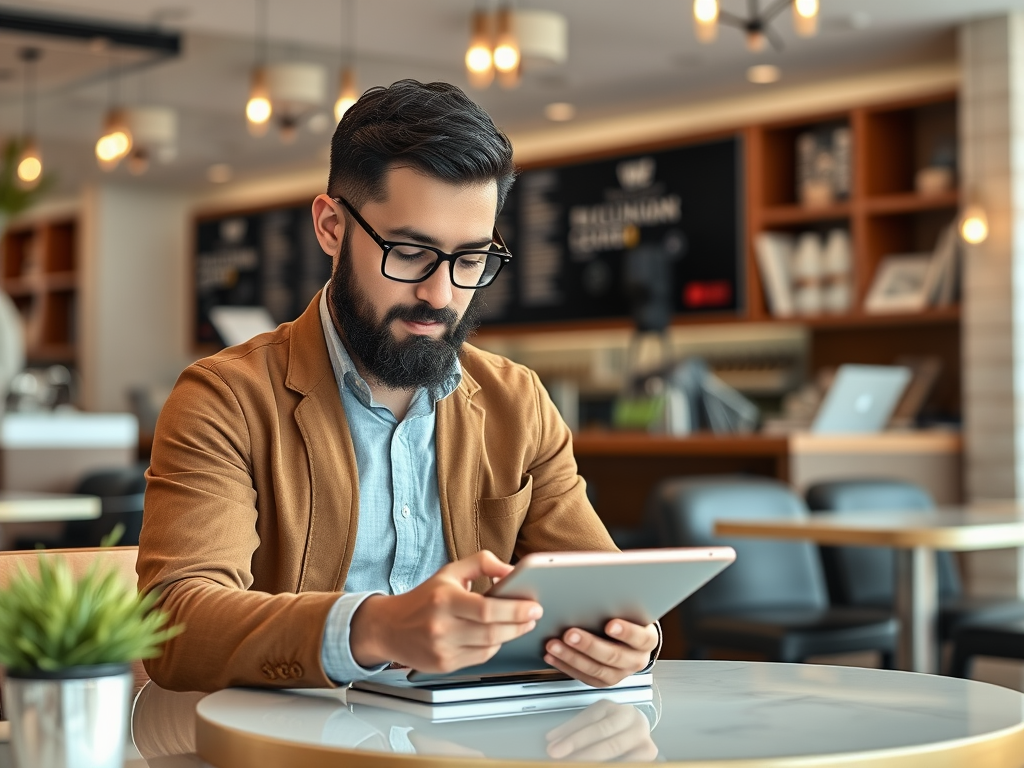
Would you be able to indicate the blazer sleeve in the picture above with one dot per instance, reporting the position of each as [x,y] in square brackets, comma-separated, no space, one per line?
[196,548]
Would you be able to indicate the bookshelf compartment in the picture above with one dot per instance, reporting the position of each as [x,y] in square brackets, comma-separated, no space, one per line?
[19,254]
[899,142]
[60,247]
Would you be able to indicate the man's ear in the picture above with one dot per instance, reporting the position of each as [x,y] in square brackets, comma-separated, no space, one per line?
[329,225]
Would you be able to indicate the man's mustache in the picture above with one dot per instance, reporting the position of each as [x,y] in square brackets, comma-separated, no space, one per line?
[422,313]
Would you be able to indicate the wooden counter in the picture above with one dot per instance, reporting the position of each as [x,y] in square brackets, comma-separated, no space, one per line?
[623,467]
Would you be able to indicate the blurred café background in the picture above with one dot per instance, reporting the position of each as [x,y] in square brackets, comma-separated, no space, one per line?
[773,239]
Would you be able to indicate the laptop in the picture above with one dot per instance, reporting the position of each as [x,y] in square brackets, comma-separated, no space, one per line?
[861,399]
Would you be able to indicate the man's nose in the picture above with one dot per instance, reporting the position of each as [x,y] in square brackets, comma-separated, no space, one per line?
[436,290]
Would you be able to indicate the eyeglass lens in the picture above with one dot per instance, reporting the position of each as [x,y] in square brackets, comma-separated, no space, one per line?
[471,269]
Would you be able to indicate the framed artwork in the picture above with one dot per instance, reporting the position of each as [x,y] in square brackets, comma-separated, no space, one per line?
[901,284]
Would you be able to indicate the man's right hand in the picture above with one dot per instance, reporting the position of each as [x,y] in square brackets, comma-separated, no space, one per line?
[441,626]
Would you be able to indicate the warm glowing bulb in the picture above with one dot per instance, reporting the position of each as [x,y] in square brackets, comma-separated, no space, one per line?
[506,57]
[506,47]
[705,11]
[30,166]
[974,226]
[805,17]
[112,146]
[347,94]
[478,59]
[705,15]
[257,109]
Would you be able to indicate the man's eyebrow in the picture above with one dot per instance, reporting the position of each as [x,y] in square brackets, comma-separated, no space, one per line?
[409,233]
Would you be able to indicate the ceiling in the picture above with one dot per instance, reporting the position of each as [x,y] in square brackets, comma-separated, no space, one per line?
[622,56]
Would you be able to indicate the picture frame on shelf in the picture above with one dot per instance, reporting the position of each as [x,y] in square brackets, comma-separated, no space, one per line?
[901,284]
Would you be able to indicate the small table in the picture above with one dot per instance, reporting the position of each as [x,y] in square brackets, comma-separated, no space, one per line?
[741,713]
[914,536]
[32,507]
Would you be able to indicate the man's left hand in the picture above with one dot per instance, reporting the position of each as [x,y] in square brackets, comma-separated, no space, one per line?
[602,662]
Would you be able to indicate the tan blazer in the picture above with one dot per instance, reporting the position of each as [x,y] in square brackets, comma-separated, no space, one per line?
[252,501]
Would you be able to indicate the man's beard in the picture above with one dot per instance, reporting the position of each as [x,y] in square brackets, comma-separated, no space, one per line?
[418,361]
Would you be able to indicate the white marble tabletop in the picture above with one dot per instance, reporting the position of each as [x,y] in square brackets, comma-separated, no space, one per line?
[32,507]
[741,713]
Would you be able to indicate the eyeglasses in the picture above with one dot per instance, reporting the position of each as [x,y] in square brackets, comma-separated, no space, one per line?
[414,262]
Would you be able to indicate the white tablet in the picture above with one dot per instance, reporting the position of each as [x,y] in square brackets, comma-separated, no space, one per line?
[586,590]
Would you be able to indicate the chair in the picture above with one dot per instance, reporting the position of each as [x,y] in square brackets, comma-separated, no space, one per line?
[773,600]
[122,491]
[864,576]
[1003,640]
[120,559]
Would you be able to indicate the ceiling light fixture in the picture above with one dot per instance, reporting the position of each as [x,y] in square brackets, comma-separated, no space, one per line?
[154,132]
[116,142]
[258,108]
[763,74]
[521,39]
[708,14]
[30,161]
[479,55]
[347,93]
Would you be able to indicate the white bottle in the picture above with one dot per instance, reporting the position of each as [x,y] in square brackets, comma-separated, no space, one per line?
[836,269]
[807,275]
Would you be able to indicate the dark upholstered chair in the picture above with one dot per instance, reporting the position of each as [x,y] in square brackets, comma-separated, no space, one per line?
[863,576]
[121,491]
[1003,640]
[773,600]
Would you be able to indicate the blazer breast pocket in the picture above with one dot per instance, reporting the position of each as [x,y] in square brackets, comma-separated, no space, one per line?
[499,519]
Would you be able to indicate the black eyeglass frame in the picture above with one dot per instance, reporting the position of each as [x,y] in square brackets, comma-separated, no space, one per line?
[387,245]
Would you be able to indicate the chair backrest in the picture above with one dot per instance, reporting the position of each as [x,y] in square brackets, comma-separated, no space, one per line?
[120,559]
[766,574]
[122,492]
[864,575]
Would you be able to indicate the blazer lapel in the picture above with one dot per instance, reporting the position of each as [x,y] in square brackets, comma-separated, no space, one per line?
[333,476]
[459,437]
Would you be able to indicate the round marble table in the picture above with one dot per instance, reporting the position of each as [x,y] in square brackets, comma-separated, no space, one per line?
[723,713]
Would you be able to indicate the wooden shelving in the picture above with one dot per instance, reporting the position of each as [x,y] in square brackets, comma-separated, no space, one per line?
[38,268]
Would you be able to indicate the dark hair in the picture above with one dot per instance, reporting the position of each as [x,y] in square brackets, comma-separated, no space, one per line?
[433,127]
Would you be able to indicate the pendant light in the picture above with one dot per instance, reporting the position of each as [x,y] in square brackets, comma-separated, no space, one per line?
[705,16]
[116,142]
[507,58]
[479,56]
[805,17]
[347,93]
[30,161]
[974,224]
[258,109]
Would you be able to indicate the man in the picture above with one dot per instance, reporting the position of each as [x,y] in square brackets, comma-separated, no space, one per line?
[362,450]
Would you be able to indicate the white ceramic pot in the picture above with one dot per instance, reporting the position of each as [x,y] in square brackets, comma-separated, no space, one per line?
[72,718]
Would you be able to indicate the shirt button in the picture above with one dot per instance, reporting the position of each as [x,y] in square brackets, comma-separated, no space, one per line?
[405,511]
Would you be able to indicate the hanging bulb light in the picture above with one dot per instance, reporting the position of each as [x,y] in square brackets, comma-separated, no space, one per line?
[258,109]
[30,161]
[805,17]
[756,39]
[30,165]
[705,17]
[116,141]
[479,56]
[974,224]
[507,59]
[347,93]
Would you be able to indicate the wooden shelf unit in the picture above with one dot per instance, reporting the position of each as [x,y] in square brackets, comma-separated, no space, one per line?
[883,214]
[39,270]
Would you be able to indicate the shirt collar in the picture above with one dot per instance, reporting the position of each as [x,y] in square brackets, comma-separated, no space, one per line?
[346,374]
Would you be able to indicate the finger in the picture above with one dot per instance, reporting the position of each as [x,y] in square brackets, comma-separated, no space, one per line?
[607,653]
[494,610]
[638,636]
[470,634]
[647,752]
[483,563]
[573,672]
[607,672]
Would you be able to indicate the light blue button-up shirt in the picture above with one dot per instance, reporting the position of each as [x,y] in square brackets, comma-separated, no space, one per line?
[399,539]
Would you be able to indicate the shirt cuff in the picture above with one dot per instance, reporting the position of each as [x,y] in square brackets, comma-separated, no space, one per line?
[335,649]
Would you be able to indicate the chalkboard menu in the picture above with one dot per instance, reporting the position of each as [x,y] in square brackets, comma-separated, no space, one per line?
[267,257]
[586,237]
[588,240]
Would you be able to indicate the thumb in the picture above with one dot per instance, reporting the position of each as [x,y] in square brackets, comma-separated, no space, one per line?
[483,563]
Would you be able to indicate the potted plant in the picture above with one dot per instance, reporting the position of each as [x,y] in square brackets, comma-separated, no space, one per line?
[67,645]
